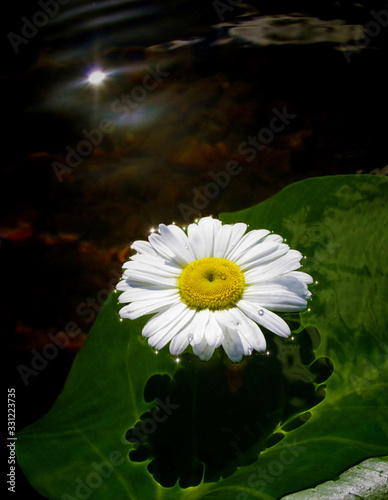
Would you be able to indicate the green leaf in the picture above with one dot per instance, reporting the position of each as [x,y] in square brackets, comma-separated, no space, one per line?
[79,450]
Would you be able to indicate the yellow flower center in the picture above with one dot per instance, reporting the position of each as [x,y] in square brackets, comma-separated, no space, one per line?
[211,283]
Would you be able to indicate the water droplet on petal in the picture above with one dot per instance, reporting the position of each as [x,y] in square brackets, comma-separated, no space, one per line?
[187,247]
[250,349]
[261,312]
[190,337]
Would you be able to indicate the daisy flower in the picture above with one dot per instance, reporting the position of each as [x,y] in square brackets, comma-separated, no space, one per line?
[212,286]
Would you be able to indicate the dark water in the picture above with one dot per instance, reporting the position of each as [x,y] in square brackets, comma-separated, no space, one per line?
[285,93]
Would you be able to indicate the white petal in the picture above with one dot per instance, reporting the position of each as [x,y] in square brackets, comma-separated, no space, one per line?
[263,253]
[155,261]
[213,332]
[164,251]
[132,294]
[197,243]
[176,240]
[146,273]
[264,317]
[209,228]
[143,247]
[122,285]
[291,282]
[230,347]
[284,264]
[306,278]
[180,341]
[248,241]
[275,297]
[163,319]
[203,351]
[222,242]
[238,231]
[145,278]
[242,345]
[199,325]
[249,330]
[140,308]
[162,337]
[275,238]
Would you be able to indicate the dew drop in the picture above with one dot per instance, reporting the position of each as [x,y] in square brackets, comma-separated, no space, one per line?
[316,282]
[187,247]
[177,360]
[121,319]
[156,352]
[250,349]
[267,353]
[190,337]
[308,310]
[261,312]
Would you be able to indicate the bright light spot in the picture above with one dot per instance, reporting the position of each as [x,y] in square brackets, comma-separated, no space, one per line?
[177,360]
[156,352]
[96,77]
[152,230]
[267,353]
